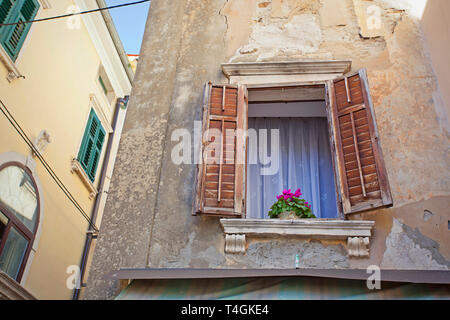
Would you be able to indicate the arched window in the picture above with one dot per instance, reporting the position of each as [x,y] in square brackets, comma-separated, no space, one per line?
[19,217]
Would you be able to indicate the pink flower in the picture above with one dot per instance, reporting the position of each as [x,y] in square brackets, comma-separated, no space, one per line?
[279,197]
[298,193]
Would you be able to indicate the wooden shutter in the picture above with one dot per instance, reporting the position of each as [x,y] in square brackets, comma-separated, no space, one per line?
[361,172]
[13,37]
[91,146]
[220,187]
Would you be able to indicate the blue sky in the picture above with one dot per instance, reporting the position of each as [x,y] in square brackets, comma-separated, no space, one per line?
[130,23]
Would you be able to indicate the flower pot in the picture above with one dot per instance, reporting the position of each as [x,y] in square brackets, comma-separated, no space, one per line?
[288,216]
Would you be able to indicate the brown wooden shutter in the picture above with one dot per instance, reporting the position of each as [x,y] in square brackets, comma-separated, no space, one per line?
[220,187]
[362,177]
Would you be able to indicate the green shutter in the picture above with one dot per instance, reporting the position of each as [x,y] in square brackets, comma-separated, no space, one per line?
[103,85]
[91,146]
[5,9]
[11,11]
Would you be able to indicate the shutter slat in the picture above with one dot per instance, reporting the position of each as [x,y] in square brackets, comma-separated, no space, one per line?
[87,155]
[28,9]
[219,177]
[219,191]
[5,8]
[361,171]
[358,160]
[93,168]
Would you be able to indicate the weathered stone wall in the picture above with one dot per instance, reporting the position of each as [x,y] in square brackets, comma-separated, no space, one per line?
[148,221]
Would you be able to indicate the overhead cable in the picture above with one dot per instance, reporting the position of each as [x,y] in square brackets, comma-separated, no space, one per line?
[74,14]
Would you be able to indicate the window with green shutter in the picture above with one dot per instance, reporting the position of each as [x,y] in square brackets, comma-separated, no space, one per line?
[102,84]
[91,146]
[12,11]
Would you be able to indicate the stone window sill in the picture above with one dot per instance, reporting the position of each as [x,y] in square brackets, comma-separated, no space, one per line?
[356,232]
[12,290]
[76,167]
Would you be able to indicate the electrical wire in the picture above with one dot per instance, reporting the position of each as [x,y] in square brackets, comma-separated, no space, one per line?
[24,136]
[74,14]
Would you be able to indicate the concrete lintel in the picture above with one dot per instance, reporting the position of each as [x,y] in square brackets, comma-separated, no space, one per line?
[283,68]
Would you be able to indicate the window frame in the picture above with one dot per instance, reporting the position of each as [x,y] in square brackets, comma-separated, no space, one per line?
[254,75]
[331,130]
[105,85]
[13,221]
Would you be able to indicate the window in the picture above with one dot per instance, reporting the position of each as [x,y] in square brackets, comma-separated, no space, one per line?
[11,11]
[344,151]
[289,148]
[91,146]
[102,84]
[105,85]
[19,217]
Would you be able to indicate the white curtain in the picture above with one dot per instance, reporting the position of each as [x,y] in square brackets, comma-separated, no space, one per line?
[304,162]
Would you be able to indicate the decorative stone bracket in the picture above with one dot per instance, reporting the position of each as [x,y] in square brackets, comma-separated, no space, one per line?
[45,4]
[235,243]
[358,246]
[356,232]
[13,72]
[41,142]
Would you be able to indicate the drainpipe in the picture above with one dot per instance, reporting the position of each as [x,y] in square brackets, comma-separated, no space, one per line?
[91,234]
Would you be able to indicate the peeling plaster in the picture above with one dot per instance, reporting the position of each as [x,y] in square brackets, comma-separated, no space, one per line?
[280,253]
[299,36]
[409,249]
[280,28]
[414,8]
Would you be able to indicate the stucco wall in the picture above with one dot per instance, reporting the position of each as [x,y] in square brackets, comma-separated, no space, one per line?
[436,27]
[148,221]
[60,66]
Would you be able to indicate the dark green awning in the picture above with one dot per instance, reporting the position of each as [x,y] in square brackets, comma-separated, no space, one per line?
[279,288]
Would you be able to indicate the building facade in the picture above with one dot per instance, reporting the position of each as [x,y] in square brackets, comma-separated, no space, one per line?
[358,93]
[61,83]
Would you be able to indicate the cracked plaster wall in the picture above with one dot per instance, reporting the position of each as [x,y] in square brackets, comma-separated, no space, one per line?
[147,220]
